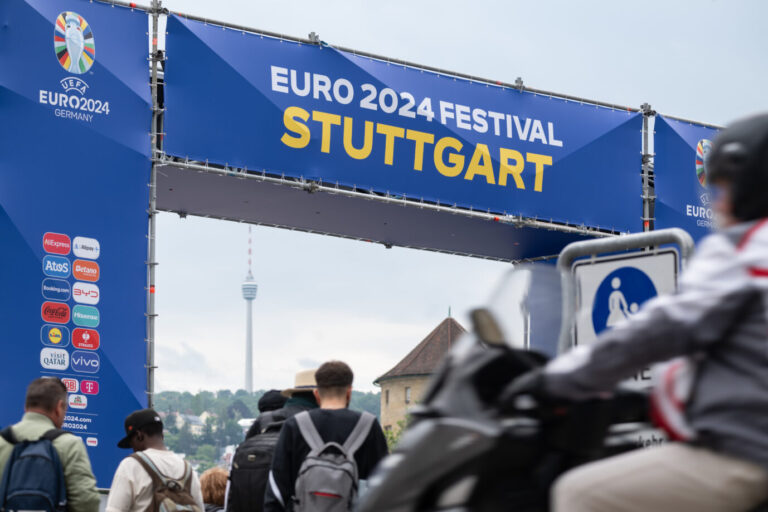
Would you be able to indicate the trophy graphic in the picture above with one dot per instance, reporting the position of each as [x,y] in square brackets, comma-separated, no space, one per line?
[73,43]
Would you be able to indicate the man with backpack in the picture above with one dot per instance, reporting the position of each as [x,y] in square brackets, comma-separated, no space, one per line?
[152,478]
[44,467]
[322,454]
[253,458]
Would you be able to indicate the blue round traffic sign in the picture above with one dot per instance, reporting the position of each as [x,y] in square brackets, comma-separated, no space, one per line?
[620,296]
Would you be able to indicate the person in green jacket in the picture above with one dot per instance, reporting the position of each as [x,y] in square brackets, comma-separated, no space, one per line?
[44,409]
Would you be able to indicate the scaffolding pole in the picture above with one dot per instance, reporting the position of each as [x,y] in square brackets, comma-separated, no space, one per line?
[649,195]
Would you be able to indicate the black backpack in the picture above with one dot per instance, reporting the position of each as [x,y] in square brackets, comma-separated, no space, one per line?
[251,464]
[33,477]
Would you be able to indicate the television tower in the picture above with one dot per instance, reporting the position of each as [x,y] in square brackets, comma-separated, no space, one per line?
[249,293]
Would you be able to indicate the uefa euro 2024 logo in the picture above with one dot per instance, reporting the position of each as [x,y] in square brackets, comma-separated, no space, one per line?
[73,42]
[702,212]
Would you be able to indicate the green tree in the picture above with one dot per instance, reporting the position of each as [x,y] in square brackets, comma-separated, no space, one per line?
[186,441]
[393,436]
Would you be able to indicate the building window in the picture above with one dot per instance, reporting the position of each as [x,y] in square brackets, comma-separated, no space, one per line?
[407,395]
[386,397]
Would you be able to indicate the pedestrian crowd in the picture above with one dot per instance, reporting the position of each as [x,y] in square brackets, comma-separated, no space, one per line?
[306,451]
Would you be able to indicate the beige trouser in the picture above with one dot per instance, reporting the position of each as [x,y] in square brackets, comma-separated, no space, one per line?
[669,478]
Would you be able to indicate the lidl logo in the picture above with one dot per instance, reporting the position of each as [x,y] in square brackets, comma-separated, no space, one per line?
[702,156]
[78,401]
[55,312]
[56,243]
[85,293]
[88,248]
[54,359]
[56,266]
[84,270]
[56,289]
[54,335]
[71,384]
[85,362]
[86,316]
[86,339]
[89,387]
[73,43]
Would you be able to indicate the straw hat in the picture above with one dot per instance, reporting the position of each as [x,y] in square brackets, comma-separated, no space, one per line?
[304,381]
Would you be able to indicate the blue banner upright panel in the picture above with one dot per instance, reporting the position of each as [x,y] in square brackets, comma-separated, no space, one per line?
[74,167]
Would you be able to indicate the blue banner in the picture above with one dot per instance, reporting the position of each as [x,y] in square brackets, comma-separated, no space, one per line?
[315,112]
[682,199]
[74,167]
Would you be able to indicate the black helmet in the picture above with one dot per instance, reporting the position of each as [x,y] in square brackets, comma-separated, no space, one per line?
[739,155]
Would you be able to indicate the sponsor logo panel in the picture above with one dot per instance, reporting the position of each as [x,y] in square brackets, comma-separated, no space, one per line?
[56,243]
[55,312]
[85,293]
[86,316]
[85,362]
[89,387]
[54,335]
[54,359]
[56,266]
[88,248]
[92,441]
[87,339]
[85,270]
[78,401]
[56,289]
[73,386]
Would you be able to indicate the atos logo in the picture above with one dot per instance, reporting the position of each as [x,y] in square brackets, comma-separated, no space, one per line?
[88,248]
[85,293]
[54,359]
[89,387]
[71,384]
[85,362]
[78,401]
[86,316]
[56,266]
[92,441]
[55,312]
[54,335]
[56,243]
[86,270]
[86,339]
[56,289]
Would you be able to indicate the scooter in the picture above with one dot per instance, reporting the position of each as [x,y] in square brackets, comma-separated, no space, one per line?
[471,447]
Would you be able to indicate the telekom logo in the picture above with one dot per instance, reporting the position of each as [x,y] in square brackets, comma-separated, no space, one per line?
[89,387]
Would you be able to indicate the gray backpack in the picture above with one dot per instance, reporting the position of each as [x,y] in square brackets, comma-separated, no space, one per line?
[327,480]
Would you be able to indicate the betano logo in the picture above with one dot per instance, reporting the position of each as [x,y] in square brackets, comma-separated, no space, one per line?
[54,335]
[73,43]
[85,270]
[85,362]
[87,339]
[702,157]
[55,312]
[56,243]
[86,316]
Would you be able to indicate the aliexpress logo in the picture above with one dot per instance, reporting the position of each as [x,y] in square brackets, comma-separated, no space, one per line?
[56,243]
[85,270]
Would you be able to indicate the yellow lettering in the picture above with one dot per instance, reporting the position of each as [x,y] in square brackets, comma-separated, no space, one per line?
[327,120]
[540,161]
[290,122]
[390,132]
[351,150]
[456,159]
[515,170]
[481,164]
[420,138]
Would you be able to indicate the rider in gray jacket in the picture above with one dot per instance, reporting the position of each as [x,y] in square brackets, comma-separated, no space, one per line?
[718,323]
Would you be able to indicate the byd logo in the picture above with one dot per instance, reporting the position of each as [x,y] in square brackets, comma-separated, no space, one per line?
[86,270]
[85,362]
[87,339]
[56,243]
[55,312]
[85,293]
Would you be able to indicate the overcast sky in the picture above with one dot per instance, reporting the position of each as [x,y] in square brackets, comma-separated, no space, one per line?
[322,297]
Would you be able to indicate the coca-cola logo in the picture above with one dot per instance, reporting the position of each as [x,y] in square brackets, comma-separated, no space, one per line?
[55,312]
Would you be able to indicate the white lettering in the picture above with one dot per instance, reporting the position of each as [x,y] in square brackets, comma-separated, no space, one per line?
[279,79]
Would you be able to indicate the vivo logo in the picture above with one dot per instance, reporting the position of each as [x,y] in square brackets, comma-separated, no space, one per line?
[85,362]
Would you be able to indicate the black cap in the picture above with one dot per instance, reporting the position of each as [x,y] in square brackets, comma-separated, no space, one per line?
[135,421]
[271,401]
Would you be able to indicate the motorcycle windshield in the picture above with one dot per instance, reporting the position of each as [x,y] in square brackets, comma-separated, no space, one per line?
[527,304]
